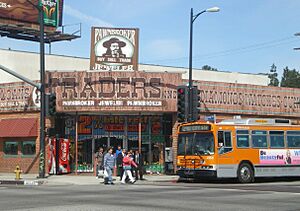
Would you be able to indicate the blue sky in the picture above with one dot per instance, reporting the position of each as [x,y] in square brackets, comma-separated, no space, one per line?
[245,36]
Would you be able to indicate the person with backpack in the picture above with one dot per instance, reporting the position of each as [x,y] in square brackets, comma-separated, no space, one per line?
[127,165]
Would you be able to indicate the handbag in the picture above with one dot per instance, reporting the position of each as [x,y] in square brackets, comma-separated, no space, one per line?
[105,173]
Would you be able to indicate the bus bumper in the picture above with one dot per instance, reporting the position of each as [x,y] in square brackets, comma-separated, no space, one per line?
[195,173]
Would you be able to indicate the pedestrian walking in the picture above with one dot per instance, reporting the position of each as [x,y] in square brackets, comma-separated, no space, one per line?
[120,163]
[118,151]
[139,171]
[99,161]
[109,163]
[127,163]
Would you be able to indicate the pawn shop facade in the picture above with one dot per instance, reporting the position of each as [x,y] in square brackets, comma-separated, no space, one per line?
[132,109]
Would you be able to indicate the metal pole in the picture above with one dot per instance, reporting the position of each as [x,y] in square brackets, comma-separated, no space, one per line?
[190,69]
[17,75]
[140,135]
[76,144]
[42,91]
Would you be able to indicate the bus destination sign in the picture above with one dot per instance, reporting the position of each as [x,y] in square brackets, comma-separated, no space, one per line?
[194,128]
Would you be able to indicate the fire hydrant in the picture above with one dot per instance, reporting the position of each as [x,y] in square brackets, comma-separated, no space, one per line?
[18,172]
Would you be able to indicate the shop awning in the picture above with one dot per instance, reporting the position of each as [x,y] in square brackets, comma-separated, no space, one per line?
[26,127]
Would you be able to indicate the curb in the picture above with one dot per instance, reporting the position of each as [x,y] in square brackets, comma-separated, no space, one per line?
[21,182]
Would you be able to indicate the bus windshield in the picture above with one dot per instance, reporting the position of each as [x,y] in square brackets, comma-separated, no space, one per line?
[196,144]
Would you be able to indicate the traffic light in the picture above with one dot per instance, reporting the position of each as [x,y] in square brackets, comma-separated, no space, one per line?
[182,103]
[50,104]
[195,104]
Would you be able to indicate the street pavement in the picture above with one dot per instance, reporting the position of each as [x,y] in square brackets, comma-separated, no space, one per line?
[71,179]
[224,195]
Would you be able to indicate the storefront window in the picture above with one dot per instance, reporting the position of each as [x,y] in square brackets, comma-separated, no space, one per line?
[28,148]
[123,130]
[11,148]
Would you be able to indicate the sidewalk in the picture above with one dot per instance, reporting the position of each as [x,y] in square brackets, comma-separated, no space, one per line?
[71,179]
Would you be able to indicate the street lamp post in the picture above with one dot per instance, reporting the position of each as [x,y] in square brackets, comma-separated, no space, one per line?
[193,18]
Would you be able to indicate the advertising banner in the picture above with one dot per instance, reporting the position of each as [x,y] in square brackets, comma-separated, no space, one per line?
[51,156]
[114,49]
[24,11]
[279,156]
[58,155]
[64,156]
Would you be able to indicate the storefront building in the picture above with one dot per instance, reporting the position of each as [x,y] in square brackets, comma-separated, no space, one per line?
[133,109]
[100,109]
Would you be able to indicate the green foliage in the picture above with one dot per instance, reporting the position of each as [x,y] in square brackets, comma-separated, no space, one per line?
[290,78]
[207,67]
[273,76]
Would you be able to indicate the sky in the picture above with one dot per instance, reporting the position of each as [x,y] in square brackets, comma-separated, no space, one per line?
[245,36]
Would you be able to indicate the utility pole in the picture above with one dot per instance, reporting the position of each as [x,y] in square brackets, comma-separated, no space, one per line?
[39,7]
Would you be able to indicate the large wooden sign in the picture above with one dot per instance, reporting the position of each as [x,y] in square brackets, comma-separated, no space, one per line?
[114,49]
[18,97]
[114,91]
[249,99]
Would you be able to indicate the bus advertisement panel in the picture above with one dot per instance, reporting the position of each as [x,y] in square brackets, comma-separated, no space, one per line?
[279,157]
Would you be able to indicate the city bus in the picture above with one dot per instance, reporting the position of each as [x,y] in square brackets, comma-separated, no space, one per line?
[238,148]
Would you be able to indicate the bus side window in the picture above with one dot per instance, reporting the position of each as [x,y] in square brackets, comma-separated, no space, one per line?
[259,139]
[242,138]
[276,139]
[293,139]
[224,141]
[220,138]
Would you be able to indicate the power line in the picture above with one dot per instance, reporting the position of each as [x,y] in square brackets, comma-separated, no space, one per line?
[244,49]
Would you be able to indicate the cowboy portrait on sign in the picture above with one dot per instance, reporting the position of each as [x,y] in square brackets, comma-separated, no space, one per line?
[113,47]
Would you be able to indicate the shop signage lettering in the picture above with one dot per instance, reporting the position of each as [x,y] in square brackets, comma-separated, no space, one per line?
[20,93]
[249,99]
[17,97]
[109,87]
[111,103]
[119,127]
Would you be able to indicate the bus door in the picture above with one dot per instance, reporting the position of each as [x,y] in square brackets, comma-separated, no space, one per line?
[225,161]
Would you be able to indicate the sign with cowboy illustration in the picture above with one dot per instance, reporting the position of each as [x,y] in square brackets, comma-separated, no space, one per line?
[114,49]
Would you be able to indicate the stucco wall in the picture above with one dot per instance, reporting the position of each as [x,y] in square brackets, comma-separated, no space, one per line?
[28,65]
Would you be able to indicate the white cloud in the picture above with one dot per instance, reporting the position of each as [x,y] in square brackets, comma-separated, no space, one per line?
[85,18]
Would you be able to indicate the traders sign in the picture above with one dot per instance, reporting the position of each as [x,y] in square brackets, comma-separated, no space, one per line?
[114,49]
[114,91]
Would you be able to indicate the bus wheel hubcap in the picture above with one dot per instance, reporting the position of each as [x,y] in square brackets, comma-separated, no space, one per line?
[245,173]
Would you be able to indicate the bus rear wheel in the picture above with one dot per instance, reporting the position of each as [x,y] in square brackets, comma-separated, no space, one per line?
[245,173]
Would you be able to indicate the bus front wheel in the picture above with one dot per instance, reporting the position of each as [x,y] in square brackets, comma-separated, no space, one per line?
[245,173]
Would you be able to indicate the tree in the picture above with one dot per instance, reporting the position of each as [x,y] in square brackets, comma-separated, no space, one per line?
[290,78]
[207,67]
[273,76]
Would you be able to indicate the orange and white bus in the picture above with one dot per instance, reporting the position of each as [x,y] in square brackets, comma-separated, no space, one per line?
[239,148]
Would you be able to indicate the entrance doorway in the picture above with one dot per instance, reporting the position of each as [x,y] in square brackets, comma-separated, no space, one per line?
[106,142]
